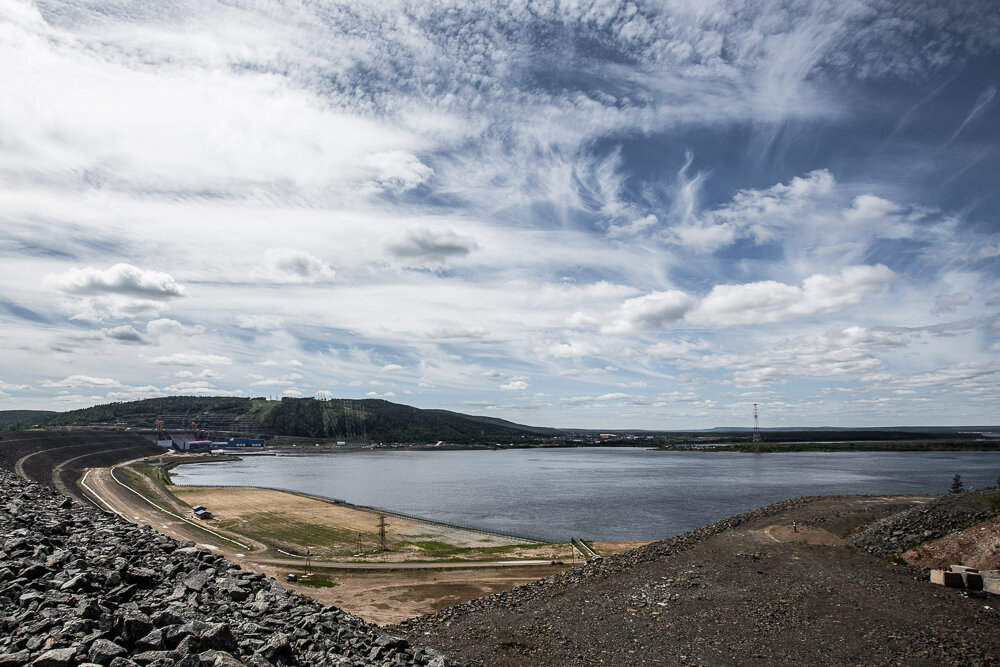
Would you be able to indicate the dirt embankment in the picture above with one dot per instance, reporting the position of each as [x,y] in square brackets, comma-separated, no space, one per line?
[778,585]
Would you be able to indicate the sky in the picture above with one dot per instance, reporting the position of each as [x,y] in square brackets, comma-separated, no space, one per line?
[572,214]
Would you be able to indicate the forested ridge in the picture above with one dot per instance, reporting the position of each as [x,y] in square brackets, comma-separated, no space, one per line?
[362,420]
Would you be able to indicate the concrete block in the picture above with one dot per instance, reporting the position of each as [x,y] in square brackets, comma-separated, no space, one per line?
[972,580]
[946,578]
[963,568]
[992,586]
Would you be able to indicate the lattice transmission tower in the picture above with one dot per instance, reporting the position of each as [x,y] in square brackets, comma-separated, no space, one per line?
[756,429]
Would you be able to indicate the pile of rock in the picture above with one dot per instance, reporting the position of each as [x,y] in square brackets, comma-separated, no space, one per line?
[79,586]
[907,529]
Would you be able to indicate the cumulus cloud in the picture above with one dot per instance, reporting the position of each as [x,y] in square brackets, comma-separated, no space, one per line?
[651,312]
[772,301]
[572,349]
[120,279]
[126,334]
[288,265]
[124,290]
[421,244]
[519,383]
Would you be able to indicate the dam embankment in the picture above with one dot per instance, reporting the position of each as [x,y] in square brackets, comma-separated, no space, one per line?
[79,585]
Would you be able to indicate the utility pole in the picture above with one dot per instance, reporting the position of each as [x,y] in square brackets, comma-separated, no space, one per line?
[309,553]
[359,544]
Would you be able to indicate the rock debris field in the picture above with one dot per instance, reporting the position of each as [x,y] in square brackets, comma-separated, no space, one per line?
[78,586]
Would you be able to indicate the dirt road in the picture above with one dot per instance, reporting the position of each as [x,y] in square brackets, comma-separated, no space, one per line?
[380,588]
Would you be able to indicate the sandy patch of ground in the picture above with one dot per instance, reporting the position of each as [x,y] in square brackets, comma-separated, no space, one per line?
[291,522]
[389,597]
[977,546]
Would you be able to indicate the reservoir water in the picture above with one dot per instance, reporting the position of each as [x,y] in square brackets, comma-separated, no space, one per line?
[592,493]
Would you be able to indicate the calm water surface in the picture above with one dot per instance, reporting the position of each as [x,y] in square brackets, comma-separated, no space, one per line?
[593,493]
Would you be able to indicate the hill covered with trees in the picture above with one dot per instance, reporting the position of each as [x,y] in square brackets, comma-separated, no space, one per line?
[364,420]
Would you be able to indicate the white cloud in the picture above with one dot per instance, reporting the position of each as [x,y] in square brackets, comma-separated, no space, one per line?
[206,374]
[278,381]
[84,381]
[516,384]
[5,386]
[191,359]
[651,312]
[850,352]
[287,265]
[397,171]
[124,290]
[954,376]
[323,394]
[772,301]
[121,279]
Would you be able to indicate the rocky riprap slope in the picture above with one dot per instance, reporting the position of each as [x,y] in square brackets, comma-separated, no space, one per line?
[78,586]
[939,517]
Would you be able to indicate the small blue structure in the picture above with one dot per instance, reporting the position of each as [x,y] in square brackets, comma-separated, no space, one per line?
[246,442]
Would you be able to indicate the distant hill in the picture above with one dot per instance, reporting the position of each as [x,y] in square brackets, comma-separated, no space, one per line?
[365,420]
[19,420]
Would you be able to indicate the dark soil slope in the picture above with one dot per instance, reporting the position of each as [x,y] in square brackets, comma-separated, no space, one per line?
[776,586]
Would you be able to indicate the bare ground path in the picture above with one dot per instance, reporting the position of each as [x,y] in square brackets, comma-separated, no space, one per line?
[379,587]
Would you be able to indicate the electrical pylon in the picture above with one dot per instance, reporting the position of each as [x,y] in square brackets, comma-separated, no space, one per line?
[756,430]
